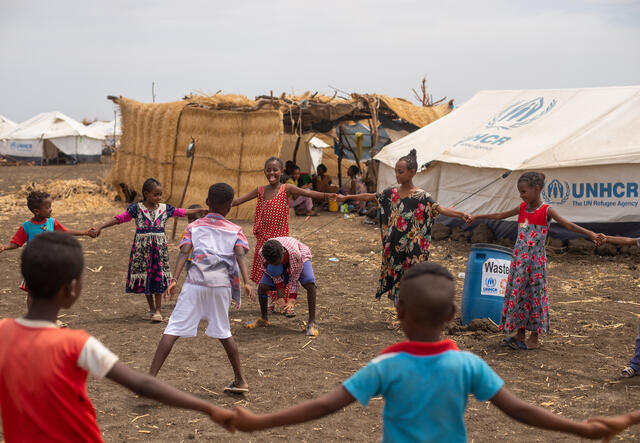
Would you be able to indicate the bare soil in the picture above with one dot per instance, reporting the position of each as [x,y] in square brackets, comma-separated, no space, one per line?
[594,314]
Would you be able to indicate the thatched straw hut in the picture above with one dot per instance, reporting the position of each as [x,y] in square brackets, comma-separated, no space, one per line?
[233,141]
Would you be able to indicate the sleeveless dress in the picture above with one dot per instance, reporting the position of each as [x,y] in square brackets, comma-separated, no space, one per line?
[526,303]
[405,228]
[271,220]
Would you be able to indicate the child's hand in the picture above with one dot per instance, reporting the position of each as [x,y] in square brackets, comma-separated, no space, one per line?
[94,232]
[470,219]
[1,249]
[340,198]
[248,290]
[244,420]
[333,196]
[614,425]
[602,239]
[597,239]
[171,289]
[223,417]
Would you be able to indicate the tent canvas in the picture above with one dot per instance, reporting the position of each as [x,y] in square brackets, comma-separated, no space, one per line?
[111,131]
[45,135]
[5,126]
[586,142]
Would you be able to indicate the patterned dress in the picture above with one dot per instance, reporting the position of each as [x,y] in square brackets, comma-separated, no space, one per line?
[149,271]
[526,303]
[405,227]
[271,220]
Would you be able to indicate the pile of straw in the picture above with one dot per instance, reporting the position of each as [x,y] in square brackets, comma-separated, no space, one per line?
[69,196]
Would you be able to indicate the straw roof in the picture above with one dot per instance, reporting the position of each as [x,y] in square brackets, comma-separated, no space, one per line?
[232,145]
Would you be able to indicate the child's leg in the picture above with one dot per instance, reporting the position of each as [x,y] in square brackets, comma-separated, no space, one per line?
[152,305]
[532,341]
[231,349]
[635,360]
[520,335]
[162,352]
[308,281]
[263,298]
[158,300]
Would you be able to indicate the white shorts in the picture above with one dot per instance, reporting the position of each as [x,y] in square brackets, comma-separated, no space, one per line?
[197,303]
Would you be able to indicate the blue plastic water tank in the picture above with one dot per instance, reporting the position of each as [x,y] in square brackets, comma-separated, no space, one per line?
[485,281]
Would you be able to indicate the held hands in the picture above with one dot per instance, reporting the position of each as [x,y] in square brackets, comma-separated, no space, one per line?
[340,198]
[612,426]
[469,219]
[244,420]
[598,239]
[93,232]
[223,417]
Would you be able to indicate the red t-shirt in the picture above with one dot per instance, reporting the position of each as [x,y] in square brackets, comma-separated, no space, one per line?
[21,237]
[43,393]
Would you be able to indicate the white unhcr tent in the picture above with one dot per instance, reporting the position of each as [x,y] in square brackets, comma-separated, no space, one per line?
[309,154]
[5,126]
[111,131]
[47,135]
[586,142]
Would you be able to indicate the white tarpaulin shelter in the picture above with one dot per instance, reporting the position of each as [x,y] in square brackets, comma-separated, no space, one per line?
[5,126]
[111,131]
[44,136]
[586,142]
[309,154]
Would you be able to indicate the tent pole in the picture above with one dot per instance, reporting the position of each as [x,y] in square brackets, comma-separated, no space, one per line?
[184,191]
[295,150]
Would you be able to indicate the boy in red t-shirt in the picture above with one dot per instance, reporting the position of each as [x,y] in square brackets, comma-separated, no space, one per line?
[43,369]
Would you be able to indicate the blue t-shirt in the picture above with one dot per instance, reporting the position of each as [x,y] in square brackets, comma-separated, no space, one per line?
[425,387]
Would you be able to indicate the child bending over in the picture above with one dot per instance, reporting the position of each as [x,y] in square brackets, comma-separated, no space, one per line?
[422,405]
[218,248]
[43,393]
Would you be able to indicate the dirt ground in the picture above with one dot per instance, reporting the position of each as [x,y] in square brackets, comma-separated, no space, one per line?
[594,314]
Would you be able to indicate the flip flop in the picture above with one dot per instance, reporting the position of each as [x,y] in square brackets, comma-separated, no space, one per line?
[628,372]
[256,324]
[233,389]
[518,345]
[156,318]
[312,329]
[507,341]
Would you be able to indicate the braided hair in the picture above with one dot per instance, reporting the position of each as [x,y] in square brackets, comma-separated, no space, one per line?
[274,159]
[411,160]
[533,179]
[148,185]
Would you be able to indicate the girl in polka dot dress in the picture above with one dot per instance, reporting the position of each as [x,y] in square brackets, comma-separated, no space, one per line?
[149,271]
[272,215]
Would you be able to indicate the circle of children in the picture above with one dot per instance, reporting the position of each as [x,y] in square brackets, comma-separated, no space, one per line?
[43,368]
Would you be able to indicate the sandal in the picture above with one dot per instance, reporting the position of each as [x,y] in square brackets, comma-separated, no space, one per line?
[507,341]
[156,318]
[312,329]
[518,345]
[260,322]
[234,389]
[628,372]
[288,310]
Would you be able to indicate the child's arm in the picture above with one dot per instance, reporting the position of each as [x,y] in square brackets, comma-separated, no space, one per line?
[151,387]
[245,198]
[199,211]
[182,260]
[618,423]
[293,189]
[536,416]
[356,197]
[495,216]
[8,246]
[622,240]
[241,258]
[450,212]
[329,403]
[575,228]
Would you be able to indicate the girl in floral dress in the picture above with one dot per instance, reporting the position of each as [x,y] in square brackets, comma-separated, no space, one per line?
[272,216]
[406,217]
[149,271]
[526,302]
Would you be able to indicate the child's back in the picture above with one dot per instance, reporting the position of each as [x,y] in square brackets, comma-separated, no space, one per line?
[43,371]
[425,387]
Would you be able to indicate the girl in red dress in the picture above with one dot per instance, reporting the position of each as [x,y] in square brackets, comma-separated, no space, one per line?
[272,214]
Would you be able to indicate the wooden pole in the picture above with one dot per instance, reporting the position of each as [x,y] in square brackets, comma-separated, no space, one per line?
[184,191]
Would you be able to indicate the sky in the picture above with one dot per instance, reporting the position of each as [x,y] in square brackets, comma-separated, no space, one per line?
[68,56]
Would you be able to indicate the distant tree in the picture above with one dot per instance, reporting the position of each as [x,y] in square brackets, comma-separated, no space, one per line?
[423,98]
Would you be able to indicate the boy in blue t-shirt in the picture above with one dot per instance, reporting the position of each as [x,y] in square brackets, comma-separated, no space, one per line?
[426,381]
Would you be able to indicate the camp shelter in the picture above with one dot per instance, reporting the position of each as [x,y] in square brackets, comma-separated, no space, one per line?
[5,126]
[110,130]
[233,139]
[310,151]
[586,142]
[51,136]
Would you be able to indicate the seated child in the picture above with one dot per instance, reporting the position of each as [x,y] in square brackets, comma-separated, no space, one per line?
[426,381]
[286,261]
[323,181]
[301,204]
[218,248]
[355,186]
[39,203]
[43,393]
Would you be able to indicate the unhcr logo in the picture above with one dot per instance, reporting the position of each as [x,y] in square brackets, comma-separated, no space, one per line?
[556,192]
[521,113]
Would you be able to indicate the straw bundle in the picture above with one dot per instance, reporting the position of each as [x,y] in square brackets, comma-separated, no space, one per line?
[69,196]
[232,146]
[416,115]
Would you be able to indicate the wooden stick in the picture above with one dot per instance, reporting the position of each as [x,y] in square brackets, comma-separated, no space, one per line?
[184,191]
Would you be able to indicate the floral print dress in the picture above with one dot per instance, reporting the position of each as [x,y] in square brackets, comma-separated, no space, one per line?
[526,303]
[405,228]
[149,271]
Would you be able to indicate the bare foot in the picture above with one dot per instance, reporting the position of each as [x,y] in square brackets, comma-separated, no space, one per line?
[532,342]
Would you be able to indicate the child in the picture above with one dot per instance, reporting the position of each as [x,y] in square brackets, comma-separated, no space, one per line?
[39,203]
[211,283]
[149,271]
[526,305]
[634,364]
[355,186]
[323,181]
[43,393]
[302,205]
[406,217]
[421,403]
[272,211]
[285,261]
[190,219]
